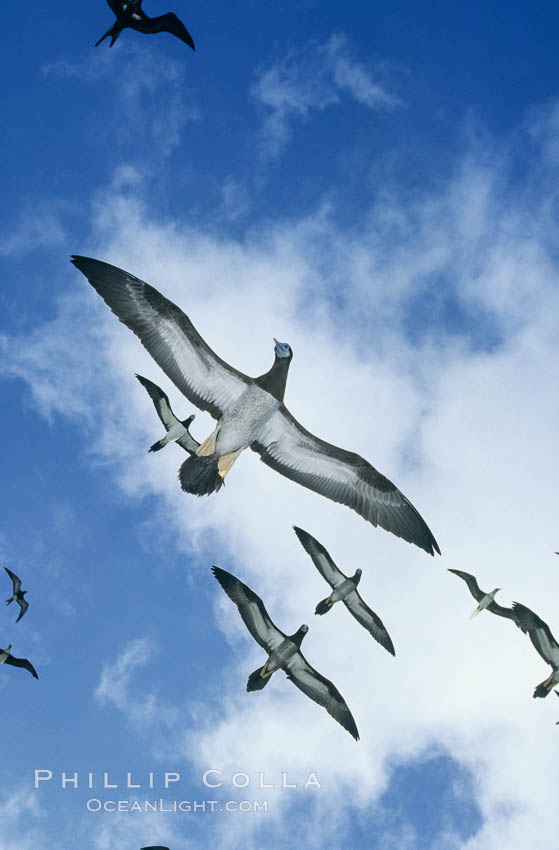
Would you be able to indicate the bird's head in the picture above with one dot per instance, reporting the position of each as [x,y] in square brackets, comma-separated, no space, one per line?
[357,576]
[300,634]
[282,349]
[186,422]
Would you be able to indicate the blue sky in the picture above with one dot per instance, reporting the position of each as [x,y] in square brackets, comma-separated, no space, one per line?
[375,185]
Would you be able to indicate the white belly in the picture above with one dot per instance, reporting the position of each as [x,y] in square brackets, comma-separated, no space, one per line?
[242,425]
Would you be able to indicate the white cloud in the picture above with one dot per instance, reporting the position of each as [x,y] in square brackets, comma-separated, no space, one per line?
[462,415]
[311,79]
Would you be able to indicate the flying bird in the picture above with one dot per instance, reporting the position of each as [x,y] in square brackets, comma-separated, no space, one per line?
[284,652]
[343,588]
[18,595]
[7,658]
[129,13]
[250,412]
[155,847]
[543,642]
[486,600]
[177,429]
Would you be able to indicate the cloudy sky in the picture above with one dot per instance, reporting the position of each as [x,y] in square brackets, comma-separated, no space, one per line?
[376,185]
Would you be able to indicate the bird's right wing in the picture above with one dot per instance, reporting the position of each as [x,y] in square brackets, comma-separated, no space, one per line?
[369,620]
[320,557]
[252,610]
[169,336]
[16,582]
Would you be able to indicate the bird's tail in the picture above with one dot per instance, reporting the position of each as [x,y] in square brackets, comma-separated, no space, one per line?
[9,600]
[110,32]
[256,681]
[323,607]
[200,475]
[160,444]
[475,613]
[544,688]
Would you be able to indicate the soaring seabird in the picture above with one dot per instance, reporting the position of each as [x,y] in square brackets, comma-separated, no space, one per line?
[284,652]
[155,847]
[486,600]
[177,429]
[543,642]
[249,411]
[344,588]
[7,658]
[18,595]
[129,13]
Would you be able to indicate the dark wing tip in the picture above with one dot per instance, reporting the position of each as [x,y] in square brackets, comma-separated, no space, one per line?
[226,580]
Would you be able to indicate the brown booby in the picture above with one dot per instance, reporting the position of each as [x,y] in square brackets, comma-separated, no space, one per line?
[344,588]
[486,600]
[177,429]
[284,653]
[250,412]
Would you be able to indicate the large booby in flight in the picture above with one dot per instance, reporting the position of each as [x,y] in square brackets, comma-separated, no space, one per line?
[177,429]
[249,411]
[344,588]
[284,652]
[486,600]
[543,642]
[7,658]
[18,595]
[129,13]
[155,847]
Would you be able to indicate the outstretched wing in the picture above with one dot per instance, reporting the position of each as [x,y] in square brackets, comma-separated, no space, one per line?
[165,412]
[252,610]
[539,633]
[21,662]
[369,620]
[320,557]
[162,23]
[342,476]
[24,605]
[321,690]
[169,336]
[16,582]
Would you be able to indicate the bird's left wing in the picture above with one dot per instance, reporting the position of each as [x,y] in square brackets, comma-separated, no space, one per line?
[16,582]
[169,336]
[321,690]
[21,662]
[252,610]
[24,605]
[342,476]
[162,23]
[369,620]
[320,557]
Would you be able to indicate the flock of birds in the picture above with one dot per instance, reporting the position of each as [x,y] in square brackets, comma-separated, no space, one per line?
[250,413]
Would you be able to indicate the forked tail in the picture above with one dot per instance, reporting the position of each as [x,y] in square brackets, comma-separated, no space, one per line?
[200,475]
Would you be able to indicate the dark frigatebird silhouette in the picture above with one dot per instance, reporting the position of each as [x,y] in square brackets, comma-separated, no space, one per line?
[7,658]
[129,13]
[18,595]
